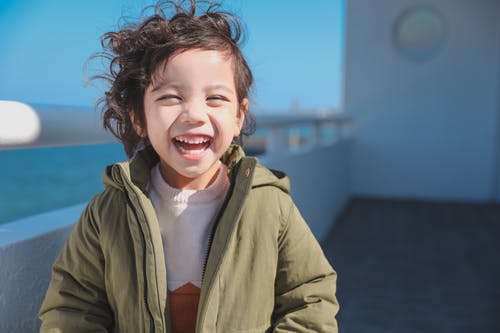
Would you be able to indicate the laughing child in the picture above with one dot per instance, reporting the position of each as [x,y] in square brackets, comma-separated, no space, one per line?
[189,235]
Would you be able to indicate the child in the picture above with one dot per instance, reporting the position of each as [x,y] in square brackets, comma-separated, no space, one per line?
[189,235]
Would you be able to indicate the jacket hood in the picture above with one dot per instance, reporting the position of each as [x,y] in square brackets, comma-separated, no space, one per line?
[262,176]
[269,177]
[116,175]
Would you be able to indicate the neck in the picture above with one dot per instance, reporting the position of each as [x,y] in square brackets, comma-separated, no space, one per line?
[182,182]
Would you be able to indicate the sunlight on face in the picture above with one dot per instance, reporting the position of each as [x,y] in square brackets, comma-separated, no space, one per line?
[192,115]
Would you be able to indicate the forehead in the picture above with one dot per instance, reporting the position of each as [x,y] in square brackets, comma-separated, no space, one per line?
[193,63]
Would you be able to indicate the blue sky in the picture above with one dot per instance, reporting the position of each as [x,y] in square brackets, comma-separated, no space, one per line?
[295,49]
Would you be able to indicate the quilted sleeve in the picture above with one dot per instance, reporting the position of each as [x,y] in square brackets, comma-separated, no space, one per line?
[76,299]
[305,283]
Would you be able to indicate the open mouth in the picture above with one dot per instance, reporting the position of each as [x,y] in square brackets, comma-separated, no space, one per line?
[192,145]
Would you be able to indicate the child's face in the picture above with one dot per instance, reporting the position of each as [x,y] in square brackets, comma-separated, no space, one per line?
[192,115]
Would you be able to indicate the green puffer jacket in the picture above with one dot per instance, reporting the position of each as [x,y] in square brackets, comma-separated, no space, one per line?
[265,271]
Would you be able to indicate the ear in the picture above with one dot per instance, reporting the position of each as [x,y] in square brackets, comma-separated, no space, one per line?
[240,117]
[141,132]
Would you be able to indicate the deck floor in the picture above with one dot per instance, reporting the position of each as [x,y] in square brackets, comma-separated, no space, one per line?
[408,266]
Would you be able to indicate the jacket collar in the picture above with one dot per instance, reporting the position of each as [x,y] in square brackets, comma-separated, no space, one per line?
[139,166]
[137,170]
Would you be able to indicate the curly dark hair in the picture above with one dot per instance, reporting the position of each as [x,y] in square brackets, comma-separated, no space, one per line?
[136,51]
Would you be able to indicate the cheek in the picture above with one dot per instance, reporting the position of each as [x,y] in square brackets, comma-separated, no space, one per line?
[159,119]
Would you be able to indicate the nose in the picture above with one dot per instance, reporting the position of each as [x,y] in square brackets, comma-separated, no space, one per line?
[194,113]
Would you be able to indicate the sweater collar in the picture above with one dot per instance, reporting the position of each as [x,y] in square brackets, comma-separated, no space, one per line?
[209,194]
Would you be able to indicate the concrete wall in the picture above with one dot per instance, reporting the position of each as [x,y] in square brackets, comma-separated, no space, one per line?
[320,183]
[28,247]
[424,129]
[25,275]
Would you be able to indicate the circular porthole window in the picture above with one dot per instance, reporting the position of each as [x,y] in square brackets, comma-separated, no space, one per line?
[419,33]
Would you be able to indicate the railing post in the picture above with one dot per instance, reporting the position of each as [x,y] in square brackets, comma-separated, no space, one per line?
[317,137]
[339,130]
[277,141]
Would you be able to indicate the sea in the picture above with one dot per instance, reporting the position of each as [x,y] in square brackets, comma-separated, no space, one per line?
[39,180]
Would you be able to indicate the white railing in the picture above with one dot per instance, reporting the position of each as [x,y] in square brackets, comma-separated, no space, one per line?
[48,125]
[32,126]
[285,133]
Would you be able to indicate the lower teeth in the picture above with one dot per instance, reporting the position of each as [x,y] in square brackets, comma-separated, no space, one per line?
[192,152]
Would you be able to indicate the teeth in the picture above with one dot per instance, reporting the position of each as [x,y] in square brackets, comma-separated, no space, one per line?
[192,141]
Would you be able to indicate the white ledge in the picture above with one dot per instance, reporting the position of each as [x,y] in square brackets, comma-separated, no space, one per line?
[39,224]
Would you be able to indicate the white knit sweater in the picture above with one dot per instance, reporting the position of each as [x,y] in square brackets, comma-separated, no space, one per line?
[186,219]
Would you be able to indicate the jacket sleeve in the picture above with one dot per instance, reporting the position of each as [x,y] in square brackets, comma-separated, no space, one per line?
[305,282]
[76,299]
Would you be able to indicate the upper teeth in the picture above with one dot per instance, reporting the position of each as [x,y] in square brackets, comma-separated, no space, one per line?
[192,140]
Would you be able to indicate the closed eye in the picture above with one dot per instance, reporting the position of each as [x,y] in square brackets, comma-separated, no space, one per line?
[216,100]
[218,97]
[169,99]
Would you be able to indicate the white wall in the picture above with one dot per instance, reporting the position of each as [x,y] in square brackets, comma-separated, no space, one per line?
[423,130]
[319,183]
[25,275]
[28,248]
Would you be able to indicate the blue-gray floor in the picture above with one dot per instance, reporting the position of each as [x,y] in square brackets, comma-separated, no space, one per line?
[407,266]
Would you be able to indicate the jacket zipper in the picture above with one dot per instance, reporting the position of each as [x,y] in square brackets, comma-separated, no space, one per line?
[210,239]
[219,215]
[212,234]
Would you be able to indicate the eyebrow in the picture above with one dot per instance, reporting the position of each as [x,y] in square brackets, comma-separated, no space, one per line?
[163,83]
[222,87]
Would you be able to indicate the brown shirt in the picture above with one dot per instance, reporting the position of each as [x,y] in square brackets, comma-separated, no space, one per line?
[183,308]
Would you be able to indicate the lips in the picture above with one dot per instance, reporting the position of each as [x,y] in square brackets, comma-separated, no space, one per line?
[192,144]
